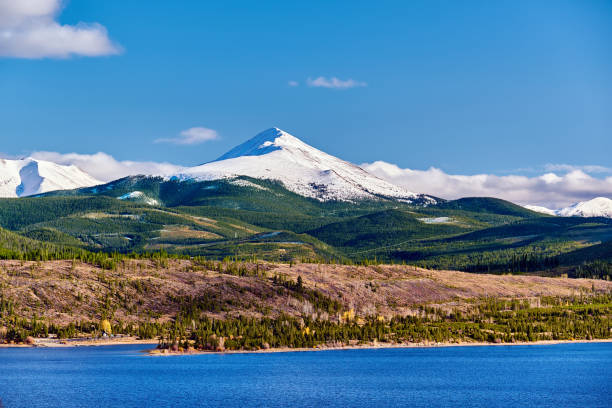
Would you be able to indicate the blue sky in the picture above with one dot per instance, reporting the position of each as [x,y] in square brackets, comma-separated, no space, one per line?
[468,87]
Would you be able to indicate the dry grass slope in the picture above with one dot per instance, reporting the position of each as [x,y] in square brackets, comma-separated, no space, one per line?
[64,291]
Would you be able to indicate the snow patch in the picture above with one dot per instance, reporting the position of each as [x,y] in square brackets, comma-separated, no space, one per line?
[247,183]
[270,234]
[437,220]
[140,197]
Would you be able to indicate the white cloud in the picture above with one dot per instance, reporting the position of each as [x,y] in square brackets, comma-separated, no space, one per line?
[334,83]
[28,30]
[293,83]
[571,167]
[191,136]
[549,190]
[106,168]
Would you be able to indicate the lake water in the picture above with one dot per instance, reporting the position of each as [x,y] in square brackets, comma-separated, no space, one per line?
[566,375]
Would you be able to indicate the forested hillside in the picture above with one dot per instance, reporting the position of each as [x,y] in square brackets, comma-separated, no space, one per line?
[250,218]
[188,263]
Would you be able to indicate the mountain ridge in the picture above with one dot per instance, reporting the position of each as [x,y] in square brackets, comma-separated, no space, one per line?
[596,207]
[277,155]
[29,176]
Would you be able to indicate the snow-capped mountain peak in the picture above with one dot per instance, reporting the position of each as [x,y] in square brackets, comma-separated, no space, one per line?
[597,207]
[265,142]
[29,176]
[277,155]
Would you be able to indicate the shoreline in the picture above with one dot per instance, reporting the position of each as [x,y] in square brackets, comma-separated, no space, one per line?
[85,342]
[166,352]
[74,343]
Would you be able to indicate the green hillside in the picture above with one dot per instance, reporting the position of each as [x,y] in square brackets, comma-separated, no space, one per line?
[489,205]
[386,227]
[12,244]
[249,217]
[602,252]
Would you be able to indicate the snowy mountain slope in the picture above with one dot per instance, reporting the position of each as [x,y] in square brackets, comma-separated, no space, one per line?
[277,155]
[597,207]
[540,209]
[24,177]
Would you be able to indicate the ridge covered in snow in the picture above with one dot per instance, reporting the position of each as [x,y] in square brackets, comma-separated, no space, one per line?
[25,177]
[277,155]
[540,209]
[597,207]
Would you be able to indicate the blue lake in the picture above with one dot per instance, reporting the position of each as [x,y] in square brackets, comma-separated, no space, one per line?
[566,375]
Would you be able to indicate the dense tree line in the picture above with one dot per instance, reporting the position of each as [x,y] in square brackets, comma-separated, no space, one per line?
[491,320]
[593,270]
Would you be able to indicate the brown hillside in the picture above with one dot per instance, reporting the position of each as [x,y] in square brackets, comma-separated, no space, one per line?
[65,291]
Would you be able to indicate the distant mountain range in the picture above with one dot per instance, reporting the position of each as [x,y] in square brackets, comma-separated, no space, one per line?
[271,155]
[26,177]
[276,155]
[597,207]
[246,217]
